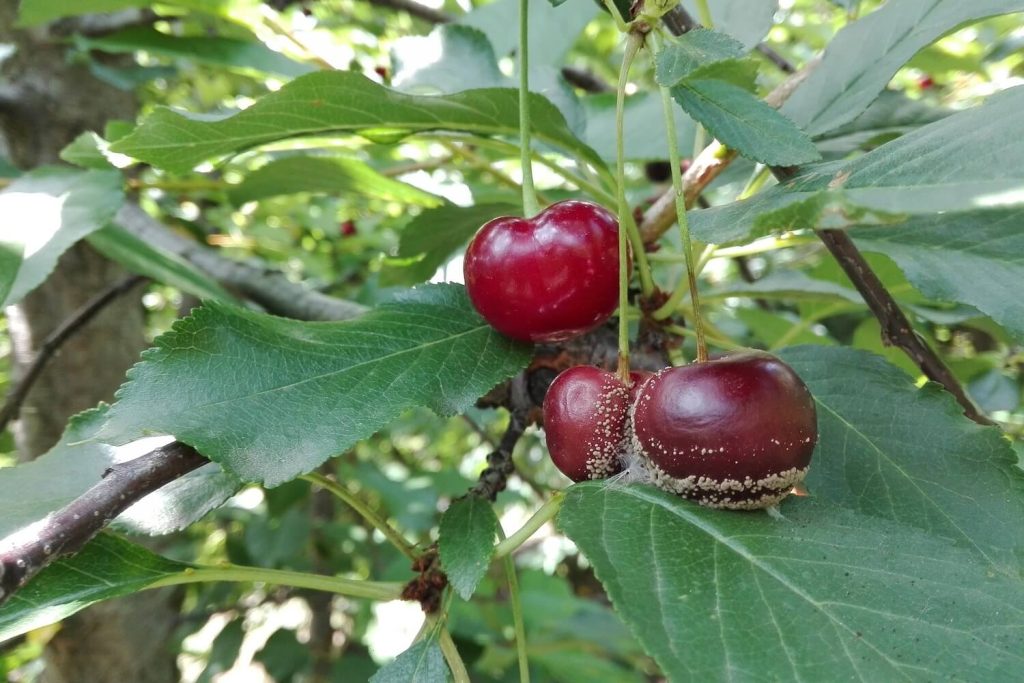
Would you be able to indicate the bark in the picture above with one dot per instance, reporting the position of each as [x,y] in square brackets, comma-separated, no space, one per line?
[46,102]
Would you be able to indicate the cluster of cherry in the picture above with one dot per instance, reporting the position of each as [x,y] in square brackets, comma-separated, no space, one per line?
[736,432]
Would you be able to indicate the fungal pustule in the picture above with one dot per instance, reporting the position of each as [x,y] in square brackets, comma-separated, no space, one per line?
[737,432]
[585,422]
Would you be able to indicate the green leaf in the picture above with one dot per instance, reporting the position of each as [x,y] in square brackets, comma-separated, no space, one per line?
[970,160]
[645,136]
[149,260]
[271,398]
[975,258]
[32,490]
[788,284]
[434,235]
[335,176]
[216,50]
[744,122]
[45,212]
[818,593]
[464,60]
[33,12]
[466,543]
[691,51]
[779,329]
[88,150]
[423,662]
[341,102]
[551,32]
[994,391]
[106,568]
[888,449]
[891,115]
[864,56]
[748,21]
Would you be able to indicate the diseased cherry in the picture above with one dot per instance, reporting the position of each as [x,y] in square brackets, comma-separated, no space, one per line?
[585,422]
[547,278]
[637,379]
[737,432]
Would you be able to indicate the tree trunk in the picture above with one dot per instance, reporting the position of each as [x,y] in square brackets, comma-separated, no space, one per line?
[45,102]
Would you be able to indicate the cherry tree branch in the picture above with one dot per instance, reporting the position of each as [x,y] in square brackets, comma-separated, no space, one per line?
[494,478]
[257,282]
[896,328]
[26,552]
[56,339]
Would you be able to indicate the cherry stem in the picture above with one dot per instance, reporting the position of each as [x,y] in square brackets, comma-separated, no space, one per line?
[517,613]
[669,306]
[365,511]
[704,12]
[633,43]
[530,205]
[543,515]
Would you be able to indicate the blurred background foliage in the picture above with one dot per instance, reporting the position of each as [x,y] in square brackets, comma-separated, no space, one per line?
[346,242]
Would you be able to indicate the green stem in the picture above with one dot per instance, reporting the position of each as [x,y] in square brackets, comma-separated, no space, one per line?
[721,342]
[757,180]
[541,517]
[352,587]
[481,164]
[530,205]
[517,615]
[807,322]
[579,181]
[633,43]
[451,655]
[704,12]
[364,511]
[669,307]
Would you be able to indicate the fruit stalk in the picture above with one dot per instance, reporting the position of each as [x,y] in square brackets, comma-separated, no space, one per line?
[530,204]
[684,228]
[633,43]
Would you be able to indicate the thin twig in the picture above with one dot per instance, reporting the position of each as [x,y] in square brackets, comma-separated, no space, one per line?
[896,328]
[25,553]
[53,342]
[494,478]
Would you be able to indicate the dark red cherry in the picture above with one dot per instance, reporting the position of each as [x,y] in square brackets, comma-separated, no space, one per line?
[546,278]
[585,418]
[637,379]
[737,432]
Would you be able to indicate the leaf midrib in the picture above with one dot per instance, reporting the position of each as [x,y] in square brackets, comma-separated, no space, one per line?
[344,370]
[754,561]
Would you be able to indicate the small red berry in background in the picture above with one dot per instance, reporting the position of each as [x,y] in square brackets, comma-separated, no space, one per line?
[383,72]
[547,278]
[925,83]
[347,228]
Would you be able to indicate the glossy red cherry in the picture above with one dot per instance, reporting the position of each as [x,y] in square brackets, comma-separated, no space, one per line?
[737,432]
[585,422]
[547,278]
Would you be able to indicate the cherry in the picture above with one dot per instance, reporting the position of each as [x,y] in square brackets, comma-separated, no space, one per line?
[347,228]
[585,419]
[547,278]
[637,378]
[737,432]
